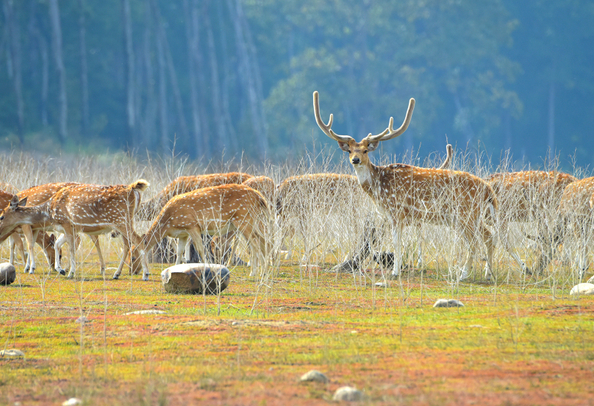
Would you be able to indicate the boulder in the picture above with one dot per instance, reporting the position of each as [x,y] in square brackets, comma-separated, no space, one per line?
[210,279]
[448,303]
[7,273]
[314,376]
[348,394]
[582,289]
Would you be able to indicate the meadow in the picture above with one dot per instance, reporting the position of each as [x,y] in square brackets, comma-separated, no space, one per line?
[519,339]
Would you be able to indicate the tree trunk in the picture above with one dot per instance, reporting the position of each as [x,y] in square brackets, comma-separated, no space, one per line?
[249,72]
[54,12]
[225,90]
[43,53]
[192,38]
[84,82]
[130,91]
[551,124]
[151,106]
[221,132]
[172,75]
[14,53]
[163,117]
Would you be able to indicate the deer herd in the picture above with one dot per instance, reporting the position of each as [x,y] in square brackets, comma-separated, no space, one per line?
[558,205]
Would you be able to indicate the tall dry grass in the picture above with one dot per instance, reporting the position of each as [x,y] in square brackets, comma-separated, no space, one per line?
[324,223]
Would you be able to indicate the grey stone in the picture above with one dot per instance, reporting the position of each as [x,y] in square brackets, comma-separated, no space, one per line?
[72,402]
[582,289]
[314,376]
[7,273]
[448,303]
[11,353]
[146,312]
[210,279]
[348,394]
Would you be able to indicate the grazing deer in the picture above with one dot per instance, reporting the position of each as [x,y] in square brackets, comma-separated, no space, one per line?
[184,184]
[212,210]
[90,209]
[35,195]
[575,213]
[409,195]
[529,196]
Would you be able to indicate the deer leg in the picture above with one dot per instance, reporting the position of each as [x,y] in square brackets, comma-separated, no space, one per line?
[125,251]
[504,238]
[183,250]
[45,242]
[71,240]
[57,247]
[488,240]
[196,236]
[397,241]
[15,240]
[95,239]
[582,253]
[30,238]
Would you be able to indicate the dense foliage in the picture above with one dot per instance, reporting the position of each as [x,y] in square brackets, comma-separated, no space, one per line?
[203,77]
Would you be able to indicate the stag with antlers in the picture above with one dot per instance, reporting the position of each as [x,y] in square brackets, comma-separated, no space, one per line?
[90,209]
[409,195]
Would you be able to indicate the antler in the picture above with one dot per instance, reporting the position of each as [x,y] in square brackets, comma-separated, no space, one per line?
[389,132]
[327,128]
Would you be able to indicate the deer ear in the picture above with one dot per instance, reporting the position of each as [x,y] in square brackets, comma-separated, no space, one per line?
[372,146]
[14,202]
[23,202]
[344,146]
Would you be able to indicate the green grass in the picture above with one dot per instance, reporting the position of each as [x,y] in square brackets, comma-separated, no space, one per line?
[509,344]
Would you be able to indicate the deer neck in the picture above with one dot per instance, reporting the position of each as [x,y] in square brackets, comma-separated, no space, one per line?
[367,176]
[37,215]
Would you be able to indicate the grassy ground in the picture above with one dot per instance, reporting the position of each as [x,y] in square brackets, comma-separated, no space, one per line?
[509,344]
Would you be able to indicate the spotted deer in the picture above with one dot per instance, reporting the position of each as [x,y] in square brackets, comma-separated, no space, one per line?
[574,217]
[149,209]
[35,195]
[409,195]
[530,196]
[90,209]
[212,210]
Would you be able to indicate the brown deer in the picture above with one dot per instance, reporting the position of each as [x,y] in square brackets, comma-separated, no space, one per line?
[90,209]
[212,210]
[184,184]
[530,196]
[409,195]
[573,214]
[35,195]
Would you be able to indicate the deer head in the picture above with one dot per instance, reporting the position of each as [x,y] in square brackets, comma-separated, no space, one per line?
[13,216]
[358,151]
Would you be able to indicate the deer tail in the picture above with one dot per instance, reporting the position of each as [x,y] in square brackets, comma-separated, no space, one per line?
[139,185]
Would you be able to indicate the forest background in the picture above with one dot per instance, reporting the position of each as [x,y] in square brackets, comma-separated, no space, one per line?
[214,78]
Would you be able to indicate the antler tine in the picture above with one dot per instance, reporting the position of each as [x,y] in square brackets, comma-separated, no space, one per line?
[326,128]
[389,132]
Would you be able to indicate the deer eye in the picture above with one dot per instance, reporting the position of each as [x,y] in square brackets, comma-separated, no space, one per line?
[1,218]
[365,151]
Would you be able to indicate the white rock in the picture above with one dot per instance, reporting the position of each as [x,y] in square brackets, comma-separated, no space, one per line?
[582,289]
[146,312]
[348,394]
[7,273]
[448,303]
[314,376]
[12,353]
[72,402]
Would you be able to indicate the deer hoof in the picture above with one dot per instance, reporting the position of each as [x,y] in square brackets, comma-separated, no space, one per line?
[61,271]
[115,277]
[145,278]
[31,271]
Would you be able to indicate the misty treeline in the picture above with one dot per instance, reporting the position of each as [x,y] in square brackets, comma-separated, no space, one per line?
[207,76]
